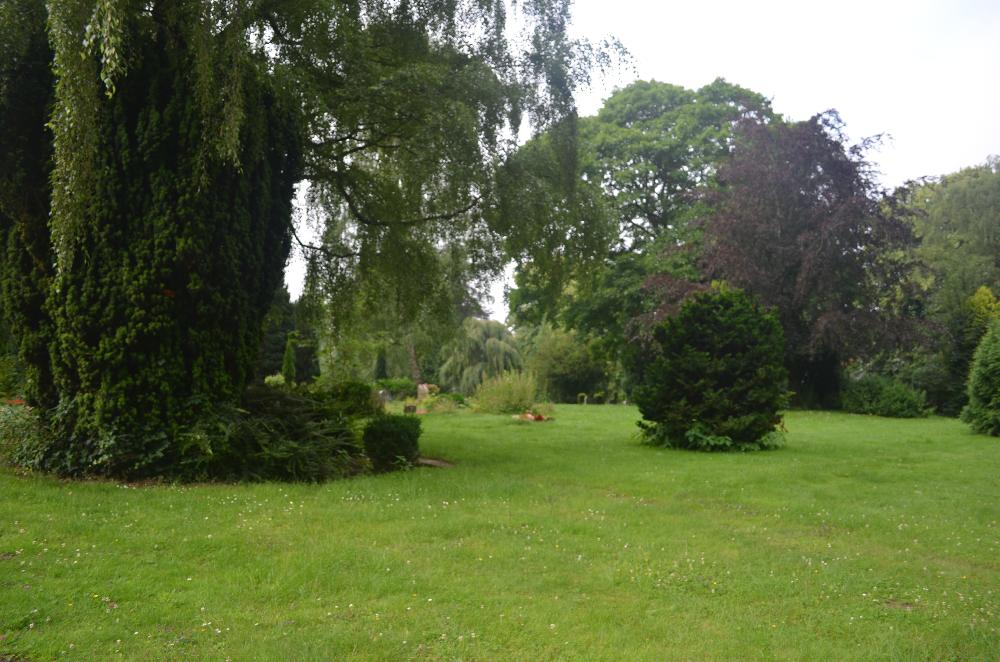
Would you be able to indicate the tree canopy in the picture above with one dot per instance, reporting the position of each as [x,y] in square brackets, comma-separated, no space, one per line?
[799,221]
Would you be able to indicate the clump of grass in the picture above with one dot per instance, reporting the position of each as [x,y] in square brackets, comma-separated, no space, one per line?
[507,393]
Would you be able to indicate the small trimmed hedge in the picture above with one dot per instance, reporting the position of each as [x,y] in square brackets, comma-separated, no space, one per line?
[392,442]
[879,395]
[276,435]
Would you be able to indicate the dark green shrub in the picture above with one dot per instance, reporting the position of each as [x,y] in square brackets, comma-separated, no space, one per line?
[398,387]
[883,396]
[392,441]
[275,435]
[351,399]
[983,410]
[712,376]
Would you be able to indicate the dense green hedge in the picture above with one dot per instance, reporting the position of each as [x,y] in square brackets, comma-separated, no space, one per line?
[26,260]
[883,396]
[398,387]
[274,434]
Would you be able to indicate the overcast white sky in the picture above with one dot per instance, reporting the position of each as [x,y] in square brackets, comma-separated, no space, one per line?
[924,72]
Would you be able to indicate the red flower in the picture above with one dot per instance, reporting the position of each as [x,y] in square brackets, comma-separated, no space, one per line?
[170,294]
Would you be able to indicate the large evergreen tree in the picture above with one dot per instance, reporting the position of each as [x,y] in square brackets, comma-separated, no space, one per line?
[170,234]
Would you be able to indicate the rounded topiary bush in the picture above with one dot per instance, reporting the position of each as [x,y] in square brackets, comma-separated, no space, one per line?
[392,441]
[712,376]
[883,396]
[983,410]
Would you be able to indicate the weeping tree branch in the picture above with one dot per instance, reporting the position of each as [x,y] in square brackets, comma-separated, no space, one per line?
[323,250]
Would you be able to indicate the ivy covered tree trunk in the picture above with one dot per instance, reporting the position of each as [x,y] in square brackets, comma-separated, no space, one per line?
[168,254]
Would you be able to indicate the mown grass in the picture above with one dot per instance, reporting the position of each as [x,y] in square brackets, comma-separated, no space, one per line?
[863,538]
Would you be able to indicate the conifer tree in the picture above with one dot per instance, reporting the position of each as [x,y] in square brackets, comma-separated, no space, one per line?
[983,410]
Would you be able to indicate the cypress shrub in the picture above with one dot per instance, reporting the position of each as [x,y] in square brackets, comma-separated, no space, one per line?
[983,410]
[27,87]
[712,375]
[392,442]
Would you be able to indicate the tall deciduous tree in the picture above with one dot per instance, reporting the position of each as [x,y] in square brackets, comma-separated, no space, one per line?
[642,159]
[799,221]
[957,219]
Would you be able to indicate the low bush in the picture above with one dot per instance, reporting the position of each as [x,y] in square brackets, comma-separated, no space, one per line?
[11,379]
[398,387]
[883,396]
[275,435]
[457,398]
[392,442]
[351,399]
[23,436]
[508,393]
[983,410]
[712,375]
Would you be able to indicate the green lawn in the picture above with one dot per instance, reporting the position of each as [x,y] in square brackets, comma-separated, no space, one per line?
[863,538]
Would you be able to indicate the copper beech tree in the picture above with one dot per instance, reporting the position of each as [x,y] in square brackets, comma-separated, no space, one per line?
[799,221]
